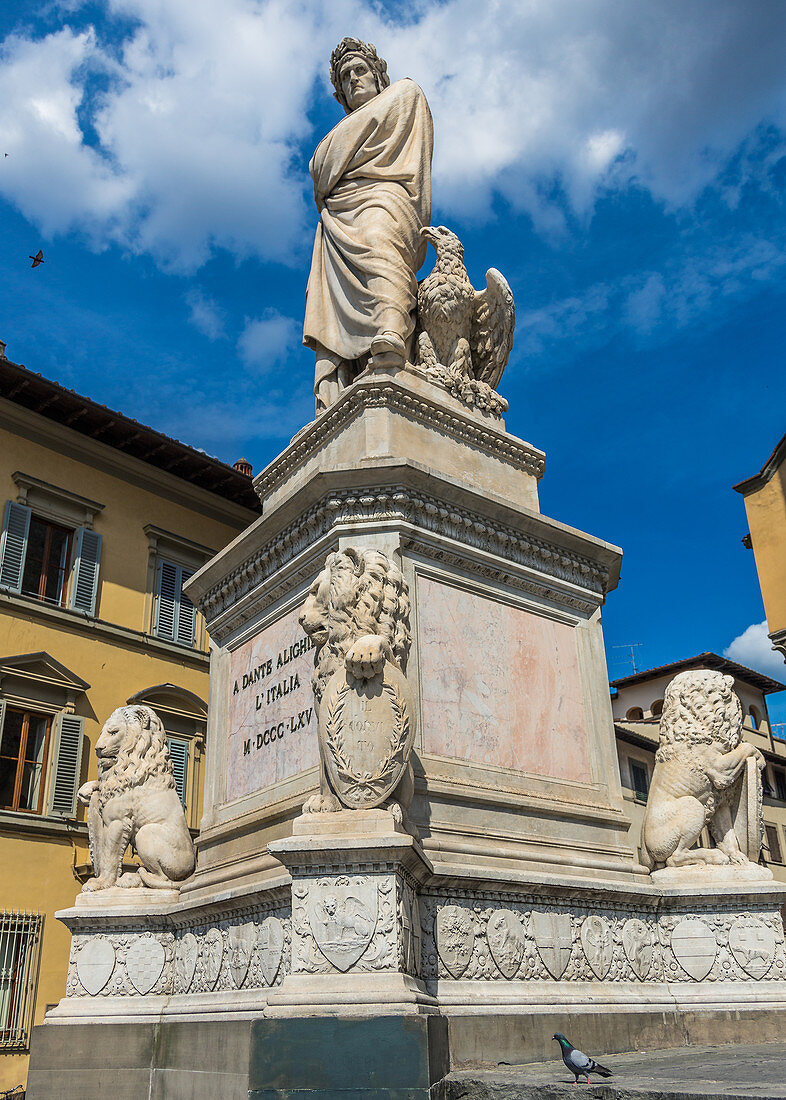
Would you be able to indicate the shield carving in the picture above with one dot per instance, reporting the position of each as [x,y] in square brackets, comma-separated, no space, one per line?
[145,963]
[694,947]
[368,729]
[241,944]
[186,954]
[455,938]
[95,963]
[554,939]
[214,953]
[343,915]
[597,943]
[637,945]
[507,940]
[271,947]
[752,944]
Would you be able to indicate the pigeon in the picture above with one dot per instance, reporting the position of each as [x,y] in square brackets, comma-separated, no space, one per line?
[37,259]
[579,1064]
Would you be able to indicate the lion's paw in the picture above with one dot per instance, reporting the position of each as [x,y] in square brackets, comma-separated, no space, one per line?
[129,880]
[367,656]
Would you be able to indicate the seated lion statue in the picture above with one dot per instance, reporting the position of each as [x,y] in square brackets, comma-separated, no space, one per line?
[134,801]
[357,613]
[699,772]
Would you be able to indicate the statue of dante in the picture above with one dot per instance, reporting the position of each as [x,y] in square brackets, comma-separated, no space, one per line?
[372,187]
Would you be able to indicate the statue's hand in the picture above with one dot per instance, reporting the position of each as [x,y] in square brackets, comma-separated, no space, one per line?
[367,656]
[86,790]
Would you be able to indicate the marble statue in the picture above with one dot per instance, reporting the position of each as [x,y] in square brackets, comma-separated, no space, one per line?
[357,613]
[372,188]
[464,336]
[702,777]
[134,801]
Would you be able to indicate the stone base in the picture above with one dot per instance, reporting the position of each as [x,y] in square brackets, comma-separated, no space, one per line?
[703,875]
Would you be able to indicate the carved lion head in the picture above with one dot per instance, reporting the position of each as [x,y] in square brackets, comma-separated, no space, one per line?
[358,592]
[699,708]
[132,750]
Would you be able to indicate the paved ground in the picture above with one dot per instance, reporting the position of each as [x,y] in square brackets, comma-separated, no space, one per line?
[688,1073]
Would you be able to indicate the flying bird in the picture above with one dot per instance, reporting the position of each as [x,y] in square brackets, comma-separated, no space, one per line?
[37,259]
[469,332]
[579,1064]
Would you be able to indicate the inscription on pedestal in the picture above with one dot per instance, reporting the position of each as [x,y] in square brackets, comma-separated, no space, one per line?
[272,720]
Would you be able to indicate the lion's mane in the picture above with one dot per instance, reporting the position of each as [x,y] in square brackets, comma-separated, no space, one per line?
[143,758]
[699,707]
[367,594]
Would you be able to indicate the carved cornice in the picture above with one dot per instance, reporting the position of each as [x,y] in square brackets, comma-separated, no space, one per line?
[391,394]
[430,524]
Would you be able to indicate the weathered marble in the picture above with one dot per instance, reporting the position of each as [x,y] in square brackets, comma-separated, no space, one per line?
[272,720]
[134,801]
[499,685]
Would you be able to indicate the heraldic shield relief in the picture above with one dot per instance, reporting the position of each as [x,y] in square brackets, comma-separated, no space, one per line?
[369,732]
[342,913]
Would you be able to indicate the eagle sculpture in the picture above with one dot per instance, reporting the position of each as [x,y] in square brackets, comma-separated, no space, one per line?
[464,335]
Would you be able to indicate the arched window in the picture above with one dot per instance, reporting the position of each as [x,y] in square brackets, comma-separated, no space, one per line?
[184,716]
[755,717]
[657,708]
[635,714]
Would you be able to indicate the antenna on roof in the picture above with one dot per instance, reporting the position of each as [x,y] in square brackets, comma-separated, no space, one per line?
[631,646]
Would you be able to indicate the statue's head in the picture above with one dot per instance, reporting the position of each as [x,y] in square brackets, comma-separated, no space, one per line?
[357,74]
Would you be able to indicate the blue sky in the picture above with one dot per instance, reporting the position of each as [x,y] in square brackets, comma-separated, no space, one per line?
[623,164]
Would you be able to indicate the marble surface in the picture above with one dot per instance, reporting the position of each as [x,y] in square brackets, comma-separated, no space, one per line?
[272,722]
[499,685]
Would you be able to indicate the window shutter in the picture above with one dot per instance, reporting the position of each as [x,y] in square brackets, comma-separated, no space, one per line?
[166,600]
[186,619]
[13,545]
[178,752]
[66,765]
[87,558]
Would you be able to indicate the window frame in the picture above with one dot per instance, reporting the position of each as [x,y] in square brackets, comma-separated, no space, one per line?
[635,762]
[22,759]
[66,570]
[185,556]
[771,857]
[19,1009]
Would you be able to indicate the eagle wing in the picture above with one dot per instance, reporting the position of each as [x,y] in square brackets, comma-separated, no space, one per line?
[492,328]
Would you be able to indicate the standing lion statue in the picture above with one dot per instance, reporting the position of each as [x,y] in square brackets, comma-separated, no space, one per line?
[699,773]
[357,613]
[134,801]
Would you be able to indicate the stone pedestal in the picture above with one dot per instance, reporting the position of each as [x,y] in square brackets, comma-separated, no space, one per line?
[519,895]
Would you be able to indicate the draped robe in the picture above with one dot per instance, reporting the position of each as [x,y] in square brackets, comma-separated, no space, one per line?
[372,187]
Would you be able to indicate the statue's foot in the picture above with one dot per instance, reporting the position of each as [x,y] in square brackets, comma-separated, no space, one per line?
[389,343]
[129,880]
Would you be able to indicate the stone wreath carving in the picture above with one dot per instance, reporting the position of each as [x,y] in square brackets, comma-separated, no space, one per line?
[134,801]
[703,777]
[357,613]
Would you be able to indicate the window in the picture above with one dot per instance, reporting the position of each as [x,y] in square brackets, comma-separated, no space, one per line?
[657,708]
[175,618]
[754,717]
[49,561]
[24,749]
[639,779]
[779,776]
[773,843]
[178,752]
[40,760]
[20,941]
[635,714]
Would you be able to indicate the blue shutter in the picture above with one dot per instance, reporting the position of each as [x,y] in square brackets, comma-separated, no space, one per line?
[167,592]
[66,765]
[186,617]
[13,545]
[178,753]
[87,559]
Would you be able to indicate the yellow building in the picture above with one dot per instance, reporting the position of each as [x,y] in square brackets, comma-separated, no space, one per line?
[636,704]
[103,521]
[765,503]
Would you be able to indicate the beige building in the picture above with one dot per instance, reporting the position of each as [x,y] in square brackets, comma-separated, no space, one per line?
[637,702]
[103,520]
[765,504]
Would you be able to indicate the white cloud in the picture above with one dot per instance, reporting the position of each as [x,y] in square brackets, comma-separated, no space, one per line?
[754,650]
[268,340]
[206,314]
[200,140]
